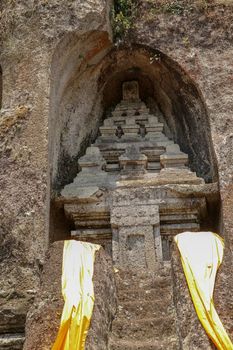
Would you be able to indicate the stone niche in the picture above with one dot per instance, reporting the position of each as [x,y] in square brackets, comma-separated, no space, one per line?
[115,102]
[135,190]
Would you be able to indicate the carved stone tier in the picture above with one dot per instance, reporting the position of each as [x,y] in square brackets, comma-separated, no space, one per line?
[137,215]
[91,217]
[132,124]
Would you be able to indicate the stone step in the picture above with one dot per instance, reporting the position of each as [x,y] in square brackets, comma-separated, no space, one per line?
[12,341]
[163,271]
[151,294]
[154,344]
[150,328]
[12,317]
[140,309]
[159,282]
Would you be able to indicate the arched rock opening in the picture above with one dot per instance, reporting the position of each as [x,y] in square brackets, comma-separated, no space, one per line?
[87,75]
[163,82]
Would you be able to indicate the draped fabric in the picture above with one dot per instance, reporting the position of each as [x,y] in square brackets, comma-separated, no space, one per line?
[201,255]
[78,294]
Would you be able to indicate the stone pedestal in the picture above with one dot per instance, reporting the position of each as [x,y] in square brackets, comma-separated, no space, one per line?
[130,128]
[109,129]
[132,161]
[173,158]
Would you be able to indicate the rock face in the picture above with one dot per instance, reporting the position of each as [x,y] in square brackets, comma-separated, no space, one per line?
[59,76]
[43,320]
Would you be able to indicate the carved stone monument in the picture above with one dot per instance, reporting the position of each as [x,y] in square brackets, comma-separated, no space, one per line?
[128,196]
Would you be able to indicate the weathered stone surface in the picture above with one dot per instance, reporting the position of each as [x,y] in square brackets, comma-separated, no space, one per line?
[30,32]
[146,317]
[136,215]
[203,53]
[105,303]
[44,316]
[12,341]
[193,87]
[223,293]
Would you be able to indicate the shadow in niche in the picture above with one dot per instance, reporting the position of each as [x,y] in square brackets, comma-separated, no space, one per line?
[60,226]
[213,220]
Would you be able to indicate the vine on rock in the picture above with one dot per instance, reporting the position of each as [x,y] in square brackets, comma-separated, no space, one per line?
[122,18]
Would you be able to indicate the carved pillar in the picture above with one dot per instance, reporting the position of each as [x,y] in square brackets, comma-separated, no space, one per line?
[136,236]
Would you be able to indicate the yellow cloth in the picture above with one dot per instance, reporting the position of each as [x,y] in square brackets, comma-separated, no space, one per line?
[201,255]
[78,294]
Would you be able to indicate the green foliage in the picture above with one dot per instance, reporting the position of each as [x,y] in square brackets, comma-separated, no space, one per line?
[122,16]
[174,8]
